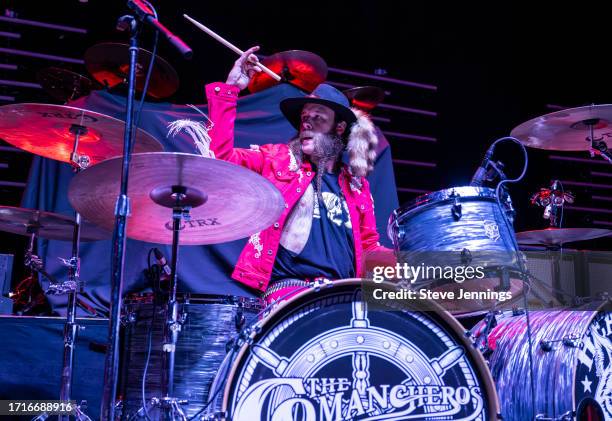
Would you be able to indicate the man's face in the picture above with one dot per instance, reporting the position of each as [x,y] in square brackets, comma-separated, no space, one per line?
[316,120]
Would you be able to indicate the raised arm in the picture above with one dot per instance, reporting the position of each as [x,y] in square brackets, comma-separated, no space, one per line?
[222,100]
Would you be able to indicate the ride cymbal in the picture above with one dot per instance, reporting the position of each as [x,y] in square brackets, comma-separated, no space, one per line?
[228,201]
[566,130]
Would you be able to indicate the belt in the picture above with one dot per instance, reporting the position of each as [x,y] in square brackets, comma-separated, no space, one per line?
[286,283]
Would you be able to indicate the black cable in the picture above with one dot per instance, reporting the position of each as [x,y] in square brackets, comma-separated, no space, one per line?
[151,273]
[522,267]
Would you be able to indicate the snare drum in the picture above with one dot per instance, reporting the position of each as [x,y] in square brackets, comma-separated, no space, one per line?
[210,324]
[323,355]
[460,226]
[572,362]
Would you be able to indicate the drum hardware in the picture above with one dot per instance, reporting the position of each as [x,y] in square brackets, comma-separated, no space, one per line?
[67,134]
[552,200]
[80,138]
[568,416]
[64,85]
[108,63]
[302,69]
[569,341]
[365,98]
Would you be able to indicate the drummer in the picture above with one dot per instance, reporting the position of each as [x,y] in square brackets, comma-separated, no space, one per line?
[328,225]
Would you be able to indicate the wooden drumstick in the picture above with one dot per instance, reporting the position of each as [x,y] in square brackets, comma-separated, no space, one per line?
[231,47]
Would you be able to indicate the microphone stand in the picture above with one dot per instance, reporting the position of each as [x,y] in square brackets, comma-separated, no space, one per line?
[122,210]
[142,14]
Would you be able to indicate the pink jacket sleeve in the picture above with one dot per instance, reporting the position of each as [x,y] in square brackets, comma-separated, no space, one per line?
[374,254]
[222,100]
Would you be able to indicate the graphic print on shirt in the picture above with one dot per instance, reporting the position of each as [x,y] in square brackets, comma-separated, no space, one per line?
[334,206]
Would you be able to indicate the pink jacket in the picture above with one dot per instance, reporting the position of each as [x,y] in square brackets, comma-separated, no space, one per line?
[276,163]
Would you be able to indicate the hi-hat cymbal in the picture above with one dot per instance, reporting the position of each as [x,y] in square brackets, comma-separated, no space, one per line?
[566,130]
[63,84]
[229,202]
[559,236]
[303,69]
[48,130]
[365,97]
[52,226]
[108,63]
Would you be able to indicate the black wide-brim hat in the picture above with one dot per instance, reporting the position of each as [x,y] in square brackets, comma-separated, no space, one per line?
[324,94]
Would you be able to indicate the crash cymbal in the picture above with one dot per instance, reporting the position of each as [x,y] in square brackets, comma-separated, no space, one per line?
[52,226]
[558,236]
[303,69]
[365,98]
[45,130]
[229,202]
[566,130]
[63,84]
[108,63]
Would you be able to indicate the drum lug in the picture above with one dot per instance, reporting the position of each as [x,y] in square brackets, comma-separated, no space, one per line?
[239,319]
[466,256]
[456,209]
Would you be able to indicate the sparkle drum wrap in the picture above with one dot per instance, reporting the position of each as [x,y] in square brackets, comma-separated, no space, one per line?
[459,226]
[323,355]
[211,322]
[572,359]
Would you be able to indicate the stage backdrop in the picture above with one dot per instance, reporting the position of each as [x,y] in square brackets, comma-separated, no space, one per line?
[202,269]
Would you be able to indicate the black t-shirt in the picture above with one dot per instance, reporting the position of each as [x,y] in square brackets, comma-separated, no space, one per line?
[329,251]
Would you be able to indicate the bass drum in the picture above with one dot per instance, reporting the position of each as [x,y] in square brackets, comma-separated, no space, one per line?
[572,361]
[323,355]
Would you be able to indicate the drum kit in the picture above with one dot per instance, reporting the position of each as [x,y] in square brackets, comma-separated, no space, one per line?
[324,353]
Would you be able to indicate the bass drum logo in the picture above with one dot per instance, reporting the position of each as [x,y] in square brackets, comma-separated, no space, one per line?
[329,358]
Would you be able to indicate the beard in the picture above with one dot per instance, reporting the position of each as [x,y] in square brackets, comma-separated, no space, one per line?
[327,148]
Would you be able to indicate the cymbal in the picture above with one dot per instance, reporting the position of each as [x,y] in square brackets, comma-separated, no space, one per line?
[108,63]
[303,69]
[52,226]
[230,202]
[365,97]
[45,130]
[566,130]
[558,236]
[63,84]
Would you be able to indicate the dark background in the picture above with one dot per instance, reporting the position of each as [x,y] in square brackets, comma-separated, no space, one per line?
[489,68]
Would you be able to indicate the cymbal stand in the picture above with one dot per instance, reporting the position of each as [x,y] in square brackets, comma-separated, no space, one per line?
[181,200]
[71,287]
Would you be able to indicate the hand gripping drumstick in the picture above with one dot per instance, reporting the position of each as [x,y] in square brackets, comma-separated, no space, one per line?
[231,47]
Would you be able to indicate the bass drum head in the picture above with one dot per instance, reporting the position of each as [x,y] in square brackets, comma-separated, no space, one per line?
[325,356]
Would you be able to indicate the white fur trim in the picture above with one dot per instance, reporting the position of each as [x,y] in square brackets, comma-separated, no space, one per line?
[361,145]
[198,133]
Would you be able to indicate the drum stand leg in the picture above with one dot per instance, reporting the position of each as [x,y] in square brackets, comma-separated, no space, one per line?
[181,200]
[71,287]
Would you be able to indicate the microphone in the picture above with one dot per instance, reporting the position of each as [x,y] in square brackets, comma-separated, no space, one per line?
[145,14]
[162,262]
[481,173]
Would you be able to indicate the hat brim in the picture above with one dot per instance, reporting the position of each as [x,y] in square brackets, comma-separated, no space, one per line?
[292,110]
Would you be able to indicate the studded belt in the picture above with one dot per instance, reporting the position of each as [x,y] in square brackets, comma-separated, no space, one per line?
[286,283]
